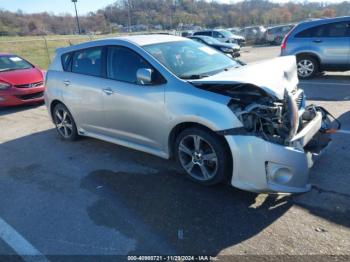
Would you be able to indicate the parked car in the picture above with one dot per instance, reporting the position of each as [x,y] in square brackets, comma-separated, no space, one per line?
[253,34]
[227,48]
[319,45]
[20,81]
[274,35]
[186,33]
[223,36]
[234,30]
[174,97]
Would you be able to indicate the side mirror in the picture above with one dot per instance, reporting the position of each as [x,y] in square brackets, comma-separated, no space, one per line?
[144,76]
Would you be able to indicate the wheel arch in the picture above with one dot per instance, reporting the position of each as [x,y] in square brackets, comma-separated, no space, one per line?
[176,130]
[54,103]
[311,54]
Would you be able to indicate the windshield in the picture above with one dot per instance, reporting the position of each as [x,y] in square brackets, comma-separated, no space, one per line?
[190,59]
[11,62]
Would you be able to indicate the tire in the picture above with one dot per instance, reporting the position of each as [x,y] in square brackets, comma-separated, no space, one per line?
[308,66]
[209,162]
[64,122]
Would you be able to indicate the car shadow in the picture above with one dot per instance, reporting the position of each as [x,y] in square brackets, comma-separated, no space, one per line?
[141,196]
[330,195]
[186,218]
[15,109]
[191,218]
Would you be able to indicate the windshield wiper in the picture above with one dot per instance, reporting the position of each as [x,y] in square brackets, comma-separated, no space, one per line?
[197,76]
[6,69]
[14,69]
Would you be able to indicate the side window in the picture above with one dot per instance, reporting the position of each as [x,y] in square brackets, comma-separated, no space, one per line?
[66,60]
[207,33]
[337,30]
[217,35]
[123,63]
[340,29]
[87,61]
[310,32]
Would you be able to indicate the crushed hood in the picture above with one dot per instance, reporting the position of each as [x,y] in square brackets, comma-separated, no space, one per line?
[274,76]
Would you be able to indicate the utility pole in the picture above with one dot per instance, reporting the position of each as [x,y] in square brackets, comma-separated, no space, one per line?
[129,15]
[76,15]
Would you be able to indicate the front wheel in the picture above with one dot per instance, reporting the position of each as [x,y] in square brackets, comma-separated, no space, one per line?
[307,67]
[203,156]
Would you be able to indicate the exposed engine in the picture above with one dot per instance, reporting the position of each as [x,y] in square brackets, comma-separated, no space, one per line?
[260,113]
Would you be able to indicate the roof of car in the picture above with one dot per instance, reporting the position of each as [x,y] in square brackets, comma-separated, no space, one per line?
[277,26]
[140,40]
[325,20]
[143,40]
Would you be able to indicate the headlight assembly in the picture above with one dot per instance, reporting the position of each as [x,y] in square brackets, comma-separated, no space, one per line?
[4,86]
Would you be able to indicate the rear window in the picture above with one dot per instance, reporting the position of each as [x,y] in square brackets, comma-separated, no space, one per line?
[87,61]
[339,29]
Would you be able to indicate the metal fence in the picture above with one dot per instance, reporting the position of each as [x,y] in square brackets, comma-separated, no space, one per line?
[40,50]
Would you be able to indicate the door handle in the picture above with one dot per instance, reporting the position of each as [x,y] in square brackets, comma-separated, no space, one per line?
[108,91]
[317,41]
[66,82]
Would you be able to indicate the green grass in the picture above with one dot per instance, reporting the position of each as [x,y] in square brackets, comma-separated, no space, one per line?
[34,48]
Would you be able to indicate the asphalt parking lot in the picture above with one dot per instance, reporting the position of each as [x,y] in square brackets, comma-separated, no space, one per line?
[94,198]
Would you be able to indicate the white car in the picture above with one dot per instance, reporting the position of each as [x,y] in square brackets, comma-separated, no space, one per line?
[177,98]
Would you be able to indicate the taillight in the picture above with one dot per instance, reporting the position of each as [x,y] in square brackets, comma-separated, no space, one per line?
[285,39]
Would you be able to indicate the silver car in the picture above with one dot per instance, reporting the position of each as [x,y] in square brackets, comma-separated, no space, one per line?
[177,98]
[223,36]
[319,45]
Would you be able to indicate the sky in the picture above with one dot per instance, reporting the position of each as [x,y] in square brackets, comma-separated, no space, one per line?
[84,6]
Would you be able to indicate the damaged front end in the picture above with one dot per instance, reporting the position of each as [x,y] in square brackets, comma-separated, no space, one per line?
[278,140]
[279,121]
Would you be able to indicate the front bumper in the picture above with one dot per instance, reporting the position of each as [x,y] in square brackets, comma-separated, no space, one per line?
[263,166]
[21,96]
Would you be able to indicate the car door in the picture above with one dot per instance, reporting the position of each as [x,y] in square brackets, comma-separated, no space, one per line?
[133,112]
[83,93]
[333,40]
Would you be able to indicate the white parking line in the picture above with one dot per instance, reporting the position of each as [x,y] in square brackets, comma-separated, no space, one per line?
[323,83]
[344,132]
[19,244]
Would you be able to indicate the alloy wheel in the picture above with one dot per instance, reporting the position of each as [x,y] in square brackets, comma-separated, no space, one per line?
[63,123]
[198,157]
[305,68]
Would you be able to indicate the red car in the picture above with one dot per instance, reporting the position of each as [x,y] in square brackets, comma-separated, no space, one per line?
[20,81]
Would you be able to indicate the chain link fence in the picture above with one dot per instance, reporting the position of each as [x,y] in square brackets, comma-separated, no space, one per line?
[40,50]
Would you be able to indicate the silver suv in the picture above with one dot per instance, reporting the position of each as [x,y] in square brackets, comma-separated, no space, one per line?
[174,97]
[319,45]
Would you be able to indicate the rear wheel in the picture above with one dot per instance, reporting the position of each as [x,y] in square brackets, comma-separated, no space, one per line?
[307,66]
[203,156]
[64,122]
